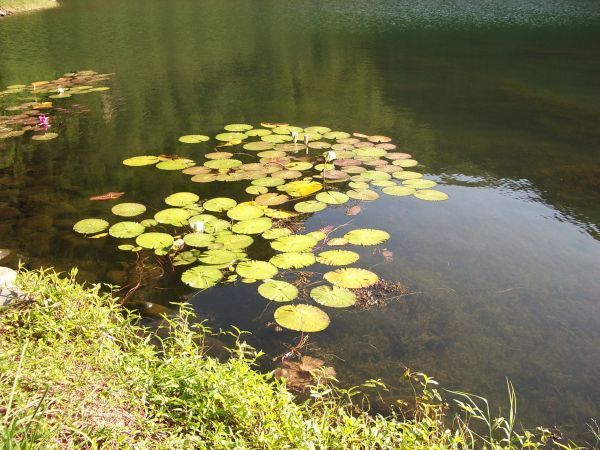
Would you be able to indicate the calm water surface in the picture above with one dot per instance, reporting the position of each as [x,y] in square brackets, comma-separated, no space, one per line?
[500,104]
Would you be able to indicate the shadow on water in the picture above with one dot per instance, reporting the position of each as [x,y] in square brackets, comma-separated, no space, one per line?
[502,110]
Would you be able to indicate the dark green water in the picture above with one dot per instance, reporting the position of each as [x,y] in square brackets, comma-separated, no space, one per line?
[500,104]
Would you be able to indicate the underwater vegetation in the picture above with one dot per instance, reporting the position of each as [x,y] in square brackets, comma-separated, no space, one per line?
[291,172]
[31,106]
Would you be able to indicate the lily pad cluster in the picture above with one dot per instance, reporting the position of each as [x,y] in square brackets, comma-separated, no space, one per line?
[24,104]
[290,172]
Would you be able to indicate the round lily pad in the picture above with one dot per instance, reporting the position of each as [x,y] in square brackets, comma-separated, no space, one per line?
[257,270]
[352,278]
[305,318]
[378,139]
[193,138]
[293,260]
[431,195]
[145,160]
[276,138]
[128,209]
[399,191]
[201,277]
[175,164]
[275,233]
[218,155]
[405,162]
[268,182]
[198,239]
[363,194]
[337,257]
[182,199]
[375,175]
[367,236]
[90,226]
[258,132]
[149,223]
[299,165]
[337,242]
[407,175]
[245,211]
[419,183]
[154,240]
[317,129]
[271,199]
[219,204]
[279,213]
[173,216]
[44,137]
[278,291]
[184,259]
[383,183]
[252,226]
[310,206]
[204,177]
[370,151]
[223,163]
[294,243]
[259,146]
[333,296]
[229,137]
[234,241]
[301,188]
[124,230]
[332,197]
[238,127]
[256,190]
[217,257]
[318,235]
[336,135]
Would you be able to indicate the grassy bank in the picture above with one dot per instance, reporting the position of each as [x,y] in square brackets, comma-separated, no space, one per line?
[17,6]
[76,373]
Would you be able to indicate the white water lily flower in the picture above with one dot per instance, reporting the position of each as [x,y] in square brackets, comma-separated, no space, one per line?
[61,90]
[178,244]
[330,155]
[197,226]
[295,136]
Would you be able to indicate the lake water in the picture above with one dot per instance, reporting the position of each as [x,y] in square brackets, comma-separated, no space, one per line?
[499,103]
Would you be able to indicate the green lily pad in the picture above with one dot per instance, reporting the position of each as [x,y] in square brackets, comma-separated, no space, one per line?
[234,241]
[222,163]
[245,211]
[337,242]
[336,135]
[332,197]
[125,230]
[268,182]
[256,190]
[256,270]
[363,194]
[193,138]
[137,161]
[337,257]
[204,177]
[175,164]
[407,175]
[419,183]
[304,318]
[367,236]
[275,233]
[173,216]
[333,296]
[44,137]
[198,239]
[278,291]
[128,209]
[154,240]
[259,146]
[383,183]
[271,199]
[370,151]
[294,243]
[229,137]
[252,226]
[310,206]
[399,191]
[373,175]
[405,162]
[299,165]
[318,235]
[276,138]
[219,204]
[238,127]
[90,226]
[218,155]
[217,257]
[184,259]
[431,195]
[279,213]
[301,188]
[358,185]
[201,277]
[149,223]
[352,278]
[217,226]
[293,260]
[317,129]
[287,129]
[182,199]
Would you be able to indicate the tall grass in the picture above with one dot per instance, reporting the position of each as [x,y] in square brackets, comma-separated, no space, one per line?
[76,372]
